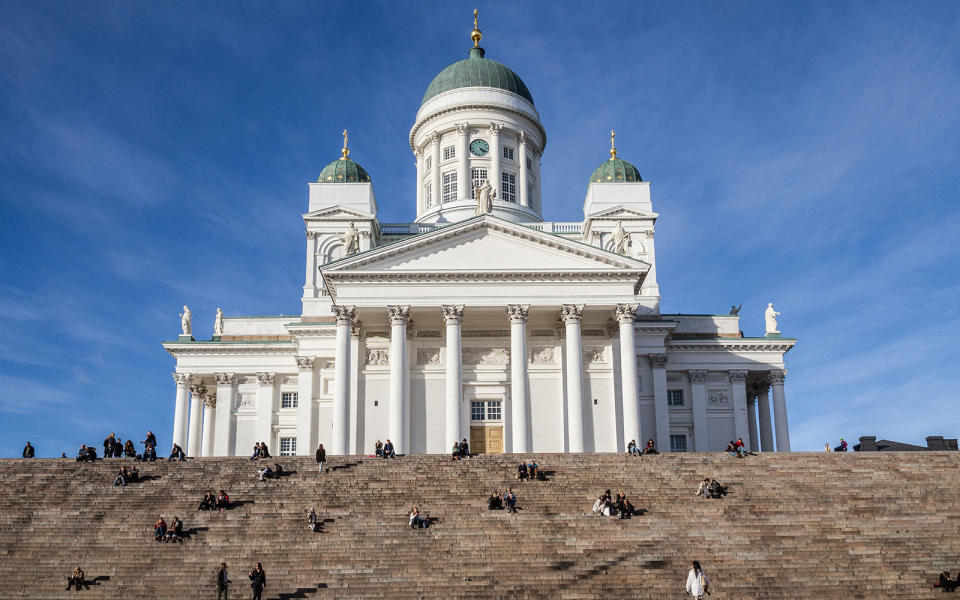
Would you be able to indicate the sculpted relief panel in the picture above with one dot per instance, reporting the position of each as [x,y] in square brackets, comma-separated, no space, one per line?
[593,354]
[486,356]
[543,356]
[718,398]
[378,357]
[428,356]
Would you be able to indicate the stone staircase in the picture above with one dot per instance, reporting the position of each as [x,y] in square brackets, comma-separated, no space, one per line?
[798,526]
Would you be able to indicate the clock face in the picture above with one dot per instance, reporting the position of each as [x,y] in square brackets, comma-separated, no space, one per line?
[479,147]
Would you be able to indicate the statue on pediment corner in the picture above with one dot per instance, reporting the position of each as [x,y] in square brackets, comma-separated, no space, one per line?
[218,323]
[770,316]
[186,321]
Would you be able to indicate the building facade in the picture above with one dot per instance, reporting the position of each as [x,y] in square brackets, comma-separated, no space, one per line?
[479,320]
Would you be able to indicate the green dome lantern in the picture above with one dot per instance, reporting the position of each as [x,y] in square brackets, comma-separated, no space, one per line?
[615,170]
[344,169]
[477,71]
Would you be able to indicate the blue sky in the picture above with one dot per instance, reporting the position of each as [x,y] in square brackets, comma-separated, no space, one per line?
[157,154]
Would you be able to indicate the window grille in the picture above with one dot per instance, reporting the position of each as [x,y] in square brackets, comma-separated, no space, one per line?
[508,187]
[449,186]
[288,400]
[288,446]
[674,397]
[678,443]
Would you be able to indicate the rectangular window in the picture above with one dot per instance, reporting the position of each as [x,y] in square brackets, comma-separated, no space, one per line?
[508,152]
[429,162]
[508,187]
[485,411]
[529,164]
[678,443]
[288,400]
[477,411]
[428,193]
[674,397]
[449,186]
[478,176]
[493,411]
[449,152]
[288,446]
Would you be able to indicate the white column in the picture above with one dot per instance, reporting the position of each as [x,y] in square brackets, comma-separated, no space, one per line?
[453,316]
[626,315]
[209,404]
[496,152]
[738,380]
[310,280]
[355,412]
[698,389]
[224,436]
[519,398]
[266,409]
[180,410]
[524,193]
[341,380]
[420,204]
[571,315]
[398,396]
[752,415]
[538,194]
[780,409]
[196,420]
[435,170]
[464,184]
[306,428]
[766,429]
[658,364]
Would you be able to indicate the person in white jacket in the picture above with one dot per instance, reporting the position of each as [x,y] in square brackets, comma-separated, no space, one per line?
[697,583]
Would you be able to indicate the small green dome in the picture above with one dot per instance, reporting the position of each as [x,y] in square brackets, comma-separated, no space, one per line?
[615,170]
[477,71]
[343,170]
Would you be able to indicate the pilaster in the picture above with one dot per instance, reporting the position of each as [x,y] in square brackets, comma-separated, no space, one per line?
[658,365]
[306,426]
[738,381]
[698,393]
[266,409]
[223,439]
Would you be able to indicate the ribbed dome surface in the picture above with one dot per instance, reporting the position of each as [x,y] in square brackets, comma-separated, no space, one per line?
[477,71]
[615,170]
[343,170]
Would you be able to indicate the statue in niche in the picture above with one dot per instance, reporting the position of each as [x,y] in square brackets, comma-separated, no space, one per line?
[484,195]
[218,323]
[620,240]
[735,310]
[186,321]
[351,240]
[770,316]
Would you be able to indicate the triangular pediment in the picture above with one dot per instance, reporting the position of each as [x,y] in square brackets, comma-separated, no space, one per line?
[622,212]
[336,213]
[486,245]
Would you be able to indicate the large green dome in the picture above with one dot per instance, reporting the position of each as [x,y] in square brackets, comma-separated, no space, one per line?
[343,170]
[477,71]
[615,170]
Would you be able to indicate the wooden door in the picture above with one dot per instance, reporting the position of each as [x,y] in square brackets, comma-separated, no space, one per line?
[494,439]
[478,441]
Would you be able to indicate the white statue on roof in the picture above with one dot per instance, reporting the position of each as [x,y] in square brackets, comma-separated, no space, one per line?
[484,195]
[770,316]
[218,323]
[350,239]
[620,240]
[186,320]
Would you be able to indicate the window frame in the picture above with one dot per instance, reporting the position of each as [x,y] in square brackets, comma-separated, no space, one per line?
[678,437]
[292,397]
[508,186]
[671,394]
[449,152]
[509,153]
[448,182]
[475,182]
[291,443]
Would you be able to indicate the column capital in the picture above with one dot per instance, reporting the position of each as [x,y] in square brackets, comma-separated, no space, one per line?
[265,378]
[418,153]
[495,128]
[523,141]
[355,329]
[305,363]
[210,400]
[738,375]
[571,313]
[199,389]
[657,361]
[777,376]
[648,234]
[399,315]
[224,378]
[311,235]
[452,314]
[435,138]
[463,128]
[518,312]
[698,376]
[344,314]
[626,313]
[181,378]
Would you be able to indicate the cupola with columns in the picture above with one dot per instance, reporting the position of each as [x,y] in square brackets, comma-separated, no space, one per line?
[477,123]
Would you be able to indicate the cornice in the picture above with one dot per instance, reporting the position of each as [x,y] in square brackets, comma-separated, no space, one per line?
[732,344]
[233,348]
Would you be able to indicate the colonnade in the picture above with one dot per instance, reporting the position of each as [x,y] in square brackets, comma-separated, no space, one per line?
[760,399]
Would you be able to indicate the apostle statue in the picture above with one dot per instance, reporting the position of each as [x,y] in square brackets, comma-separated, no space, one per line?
[351,240]
[186,321]
[620,240]
[770,316]
[218,323]
[484,195]
[735,309]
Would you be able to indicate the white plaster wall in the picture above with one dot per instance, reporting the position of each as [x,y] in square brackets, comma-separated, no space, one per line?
[246,435]
[602,414]
[272,325]
[357,196]
[720,325]
[376,418]
[603,196]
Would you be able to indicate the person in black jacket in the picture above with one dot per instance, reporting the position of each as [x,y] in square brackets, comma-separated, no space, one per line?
[321,457]
[28,451]
[77,579]
[222,582]
[258,581]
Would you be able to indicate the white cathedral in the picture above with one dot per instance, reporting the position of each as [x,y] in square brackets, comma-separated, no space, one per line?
[479,320]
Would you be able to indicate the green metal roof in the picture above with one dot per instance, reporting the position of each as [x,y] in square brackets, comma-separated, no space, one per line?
[615,170]
[477,71]
[343,170]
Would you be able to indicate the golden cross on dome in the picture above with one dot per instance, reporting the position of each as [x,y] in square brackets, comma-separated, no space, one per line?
[475,35]
[344,151]
[613,149]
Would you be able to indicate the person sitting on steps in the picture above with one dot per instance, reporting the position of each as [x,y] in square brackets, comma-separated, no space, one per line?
[704,488]
[842,447]
[455,451]
[256,451]
[533,470]
[121,477]
[632,448]
[208,502]
[150,452]
[494,502]
[265,473]
[945,583]
[264,451]
[312,523]
[650,448]
[717,490]
[464,448]
[416,521]
[378,449]
[510,500]
[223,501]
[76,579]
[28,452]
[388,451]
[129,450]
[133,474]
[176,453]
[159,529]
[522,471]
[175,533]
[598,505]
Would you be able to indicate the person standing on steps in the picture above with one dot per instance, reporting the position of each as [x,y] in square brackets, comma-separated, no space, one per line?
[258,581]
[223,582]
[28,451]
[697,584]
[321,458]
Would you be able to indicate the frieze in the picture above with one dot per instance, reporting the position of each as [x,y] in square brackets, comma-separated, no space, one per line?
[428,356]
[428,333]
[378,357]
[486,356]
[543,333]
[594,333]
[543,356]
[481,333]
[593,355]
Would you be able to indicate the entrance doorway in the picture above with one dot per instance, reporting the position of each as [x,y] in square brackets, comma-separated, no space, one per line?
[486,427]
